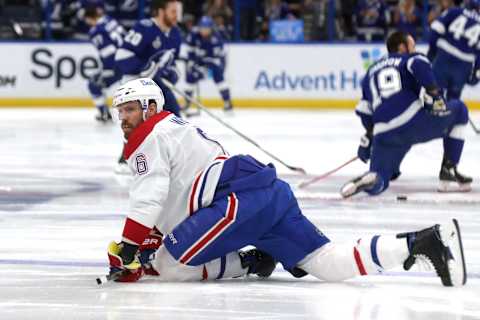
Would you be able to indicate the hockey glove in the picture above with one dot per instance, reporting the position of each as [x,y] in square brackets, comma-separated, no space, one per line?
[122,258]
[147,251]
[436,105]
[169,73]
[364,149]
[97,80]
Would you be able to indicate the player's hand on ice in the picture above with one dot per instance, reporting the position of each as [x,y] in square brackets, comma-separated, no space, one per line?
[436,105]
[365,147]
[123,258]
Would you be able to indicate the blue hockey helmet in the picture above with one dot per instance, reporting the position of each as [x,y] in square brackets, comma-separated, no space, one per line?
[473,4]
[206,22]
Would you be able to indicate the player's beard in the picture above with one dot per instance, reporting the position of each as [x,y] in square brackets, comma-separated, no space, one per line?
[169,22]
[127,129]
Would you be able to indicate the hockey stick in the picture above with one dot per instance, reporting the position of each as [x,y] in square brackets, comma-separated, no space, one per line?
[211,114]
[474,127]
[111,277]
[326,174]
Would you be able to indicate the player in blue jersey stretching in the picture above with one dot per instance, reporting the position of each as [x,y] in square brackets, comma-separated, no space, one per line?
[455,48]
[206,53]
[106,35]
[397,116]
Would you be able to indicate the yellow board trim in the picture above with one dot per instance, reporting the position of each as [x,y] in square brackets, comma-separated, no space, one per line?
[306,104]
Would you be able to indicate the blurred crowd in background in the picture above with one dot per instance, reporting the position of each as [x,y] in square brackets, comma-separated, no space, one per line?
[237,20]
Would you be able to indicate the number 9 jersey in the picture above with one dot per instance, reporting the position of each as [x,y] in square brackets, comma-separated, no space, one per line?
[391,91]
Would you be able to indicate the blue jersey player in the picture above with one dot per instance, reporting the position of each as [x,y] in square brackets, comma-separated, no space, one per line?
[106,35]
[151,47]
[208,205]
[206,53]
[396,118]
[455,48]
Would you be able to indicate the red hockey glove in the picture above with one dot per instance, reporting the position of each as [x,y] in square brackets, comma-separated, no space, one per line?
[131,267]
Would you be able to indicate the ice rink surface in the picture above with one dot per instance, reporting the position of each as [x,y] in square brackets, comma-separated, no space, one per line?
[61,204]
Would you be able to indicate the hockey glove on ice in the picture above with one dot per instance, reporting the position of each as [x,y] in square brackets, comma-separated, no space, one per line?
[364,149]
[122,257]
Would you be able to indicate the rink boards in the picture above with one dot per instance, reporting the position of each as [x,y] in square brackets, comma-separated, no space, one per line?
[306,76]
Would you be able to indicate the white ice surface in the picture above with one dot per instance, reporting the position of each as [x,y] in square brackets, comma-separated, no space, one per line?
[60,205]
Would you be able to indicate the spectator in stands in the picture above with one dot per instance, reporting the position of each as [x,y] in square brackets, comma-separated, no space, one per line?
[276,10]
[224,29]
[371,20]
[315,19]
[439,7]
[347,10]
[406,17]
[218,8]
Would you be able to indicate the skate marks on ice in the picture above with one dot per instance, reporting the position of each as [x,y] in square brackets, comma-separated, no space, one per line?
[404,190]
[73,295]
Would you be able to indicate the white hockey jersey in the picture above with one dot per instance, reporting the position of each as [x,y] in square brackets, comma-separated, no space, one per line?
[167,156]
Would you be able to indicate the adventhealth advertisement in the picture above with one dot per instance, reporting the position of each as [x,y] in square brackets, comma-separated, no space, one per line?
[266,75]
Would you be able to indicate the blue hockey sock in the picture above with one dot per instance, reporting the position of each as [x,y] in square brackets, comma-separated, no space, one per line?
[225,93]
[102,108]
[453,149]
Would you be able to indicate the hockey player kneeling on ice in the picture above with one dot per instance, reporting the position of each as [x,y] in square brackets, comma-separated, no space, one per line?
[208,205]
[395,118]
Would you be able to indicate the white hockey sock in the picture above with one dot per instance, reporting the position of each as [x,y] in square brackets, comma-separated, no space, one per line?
[100,101]
[336,262]
[226,267]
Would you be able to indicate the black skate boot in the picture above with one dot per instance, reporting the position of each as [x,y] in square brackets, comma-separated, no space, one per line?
[440,246]
[104,116]
[228,107]
[258,262]
[449,176]
[361,183]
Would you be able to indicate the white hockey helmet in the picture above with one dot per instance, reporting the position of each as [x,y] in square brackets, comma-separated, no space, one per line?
[142,90]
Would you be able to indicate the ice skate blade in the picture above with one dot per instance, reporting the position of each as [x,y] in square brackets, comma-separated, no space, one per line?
[357,185]
[451,238]
[451,187]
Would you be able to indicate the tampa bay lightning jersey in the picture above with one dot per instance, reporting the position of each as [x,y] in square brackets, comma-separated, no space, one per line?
[201,50]
[142,42]
[107,36]
[456,32]
[391,91]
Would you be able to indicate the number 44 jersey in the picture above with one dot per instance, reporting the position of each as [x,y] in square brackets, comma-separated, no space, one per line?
[174,165]
[391,91]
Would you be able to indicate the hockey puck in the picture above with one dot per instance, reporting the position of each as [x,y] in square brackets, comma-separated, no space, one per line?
[402,198]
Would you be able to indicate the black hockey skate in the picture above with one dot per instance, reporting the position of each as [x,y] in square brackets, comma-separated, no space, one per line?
[258,262]
[361,183]
[228,107]
[451,180]
[441,247]
[104,116]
